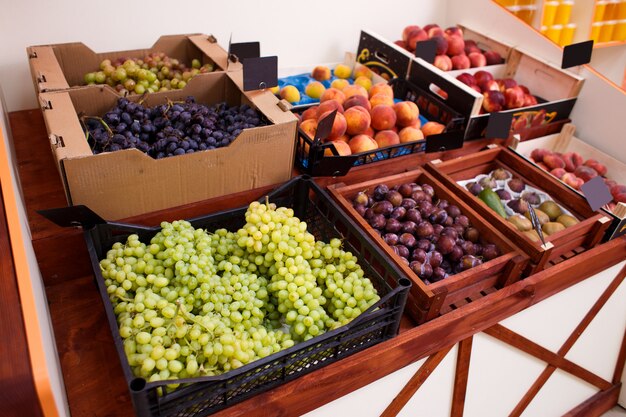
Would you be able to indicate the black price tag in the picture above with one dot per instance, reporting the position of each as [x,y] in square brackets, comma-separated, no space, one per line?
[577,54]
[72,216]
[260,73]
[499,125]
[325,126]
[596,192]
[444,141]
[427,50]
[243,50]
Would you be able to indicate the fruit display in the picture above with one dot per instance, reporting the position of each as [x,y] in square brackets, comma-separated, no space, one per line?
[153,72]
[510,197]
[431,235]
[367,119]
[498,94]
[170,129]
[453,51]
[574,170]
[192,303]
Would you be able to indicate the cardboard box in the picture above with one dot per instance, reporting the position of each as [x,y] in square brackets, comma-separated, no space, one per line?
[556,91]
[128,182]
[63,66]
[567,142]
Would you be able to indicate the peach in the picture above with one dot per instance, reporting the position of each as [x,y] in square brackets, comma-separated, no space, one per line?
[430,26]
[333,94]
[599,167]
[489,85]
[577,159]
[406,113]
[414,38]
[342,148]
[570,179]
[339,83]
[482,76]
[364,82]
[321,73]
[310,113]
[432,128]
[505,83]
[553,161]
[342,71]
[339,126]
[358,120]
[493,100]
[477,59]
[524,88]
[514,97]
[454,31]
[369,132]
[351,90]
[309,127]
[290,94]
[408,30]
[460,62]
[275,90]
[343,138]
[435,31]
[381,88]
[569,161]
[538,154]
[470,46]
[416,124]
[402,44]
[443,62]
[493,58]
[466,78]
[386,138]
[410,134]
[327,106]
[618,189]
[362,143]
[620,198]
[315,89]
[441,44]
[586,173]
[381,99]
[383,117]
[529,100]
[558,172]
[362,71]
[357,100]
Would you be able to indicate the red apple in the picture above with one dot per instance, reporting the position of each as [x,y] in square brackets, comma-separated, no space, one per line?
[514,97]
[460,62]
[493,101]
[477,59]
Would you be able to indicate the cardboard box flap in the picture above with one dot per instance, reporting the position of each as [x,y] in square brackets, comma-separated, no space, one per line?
[45,68]
[66,135]
[208,45]
[460,97]
[547,81]
[265,101]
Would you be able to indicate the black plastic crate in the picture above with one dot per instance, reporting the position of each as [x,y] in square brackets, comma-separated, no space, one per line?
[310,158]
[205,395]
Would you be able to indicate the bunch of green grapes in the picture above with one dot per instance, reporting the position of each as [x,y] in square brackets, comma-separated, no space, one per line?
[155,72]
[191,303]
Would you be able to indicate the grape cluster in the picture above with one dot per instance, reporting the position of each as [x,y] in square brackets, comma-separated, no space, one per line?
[155,72]
[190,303]
[170,129]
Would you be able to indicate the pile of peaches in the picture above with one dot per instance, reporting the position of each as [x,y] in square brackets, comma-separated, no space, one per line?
[498,94]
[366,119]
[574,170]
[453,51]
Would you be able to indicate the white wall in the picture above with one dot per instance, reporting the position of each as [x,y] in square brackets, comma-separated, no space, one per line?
[300,33]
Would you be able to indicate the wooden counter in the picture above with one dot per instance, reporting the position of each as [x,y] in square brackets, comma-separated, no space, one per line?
[93,378]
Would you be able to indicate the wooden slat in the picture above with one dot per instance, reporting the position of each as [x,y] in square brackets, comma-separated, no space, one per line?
[461,376]
[567,345]
[414,383]
[528,346]
[597,405]
[17,389]
[621,360]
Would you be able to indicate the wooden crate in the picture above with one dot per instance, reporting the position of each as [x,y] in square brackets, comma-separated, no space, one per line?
[426,301]
[585,234]
[565,141]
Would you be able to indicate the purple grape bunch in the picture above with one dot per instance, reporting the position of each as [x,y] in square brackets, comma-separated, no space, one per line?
[170,129]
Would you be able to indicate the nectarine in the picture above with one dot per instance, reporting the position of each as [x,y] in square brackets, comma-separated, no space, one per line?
[383,117]
[362,143]
[358,120]
[406,113]
[333,94]
[410,134]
